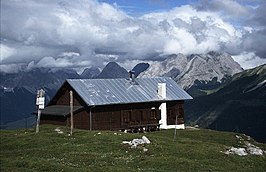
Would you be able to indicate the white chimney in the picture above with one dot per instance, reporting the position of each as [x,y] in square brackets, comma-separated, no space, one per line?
[163,108]
[162,90]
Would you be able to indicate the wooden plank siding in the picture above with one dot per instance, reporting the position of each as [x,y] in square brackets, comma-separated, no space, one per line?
[81,120]
[62,97]
[115,117]
[55,120]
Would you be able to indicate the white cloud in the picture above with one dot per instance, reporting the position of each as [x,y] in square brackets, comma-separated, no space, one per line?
[11,68]
[51,62]
[87,32]
[190,31]
[69,54]
[249,60]
[6,52]
[226,7]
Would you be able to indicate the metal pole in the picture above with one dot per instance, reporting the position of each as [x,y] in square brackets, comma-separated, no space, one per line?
[38,120]
[90,120]
[26,122]
[38,111]
[40,99]
[175,126]
[71,112]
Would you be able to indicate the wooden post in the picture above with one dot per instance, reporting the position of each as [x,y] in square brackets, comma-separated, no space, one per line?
[71,112]
[91,117]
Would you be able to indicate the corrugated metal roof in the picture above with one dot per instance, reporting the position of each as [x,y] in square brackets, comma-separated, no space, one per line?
[122,91]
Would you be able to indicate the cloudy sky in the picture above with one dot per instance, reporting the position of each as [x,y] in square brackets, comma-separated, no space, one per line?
[84,33]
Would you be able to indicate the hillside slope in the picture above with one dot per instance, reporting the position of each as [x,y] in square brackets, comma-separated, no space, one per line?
[240,105]
[193,150]
[18,104]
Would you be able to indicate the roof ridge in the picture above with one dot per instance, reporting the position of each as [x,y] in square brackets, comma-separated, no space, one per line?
[116,78]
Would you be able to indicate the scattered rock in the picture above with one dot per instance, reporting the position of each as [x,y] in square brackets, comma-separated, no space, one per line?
[248,148]
[58,130]
[237,151]
[253,150]
[135,142]
[196,127]
[238,137]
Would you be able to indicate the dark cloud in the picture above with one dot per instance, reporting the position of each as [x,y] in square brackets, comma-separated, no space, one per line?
[228,8]
[255,40]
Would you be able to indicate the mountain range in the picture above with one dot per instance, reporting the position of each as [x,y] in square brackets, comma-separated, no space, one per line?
[221,91]
[16,87]
[202,68]
[187,71]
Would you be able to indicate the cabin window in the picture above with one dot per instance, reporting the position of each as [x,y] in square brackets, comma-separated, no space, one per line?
[145,115]
[126,116]
[134,116]
[170,116]
[180,112]
[153,114]
[141,115]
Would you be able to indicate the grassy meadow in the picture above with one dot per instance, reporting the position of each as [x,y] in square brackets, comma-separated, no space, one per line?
[192,150]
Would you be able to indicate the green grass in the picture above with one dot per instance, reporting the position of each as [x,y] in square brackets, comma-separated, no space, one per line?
[193,150]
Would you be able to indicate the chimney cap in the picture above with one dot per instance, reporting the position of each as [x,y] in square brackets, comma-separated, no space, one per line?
[132,76]
[132,72]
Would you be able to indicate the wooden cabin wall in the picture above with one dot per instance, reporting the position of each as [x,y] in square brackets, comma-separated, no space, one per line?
[62,97]
[81,120]
[117,117]
[175,109]
[55,120]
[106,120]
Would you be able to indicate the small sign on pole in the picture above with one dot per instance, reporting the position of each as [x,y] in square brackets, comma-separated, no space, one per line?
[40,101]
